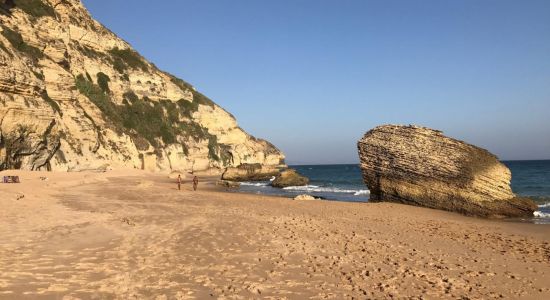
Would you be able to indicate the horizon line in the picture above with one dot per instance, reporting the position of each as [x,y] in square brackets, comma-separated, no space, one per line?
[339,164]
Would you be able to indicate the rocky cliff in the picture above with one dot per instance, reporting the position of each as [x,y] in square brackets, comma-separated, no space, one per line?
[420,166]
[74,96]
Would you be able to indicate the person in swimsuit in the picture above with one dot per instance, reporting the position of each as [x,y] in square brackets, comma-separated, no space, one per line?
[179,182]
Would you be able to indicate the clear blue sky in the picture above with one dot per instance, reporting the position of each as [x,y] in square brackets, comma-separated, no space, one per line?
[312,76]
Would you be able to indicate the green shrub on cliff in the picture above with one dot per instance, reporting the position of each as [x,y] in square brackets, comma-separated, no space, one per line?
[198,97]
[194,131]
[119,65]
[198,133]
[148,119]
[131,96]
[183,85]
[89,52]
[103,82]
[219,152]
[16,40]
[202,99]
[171,111]
[187,108]
[144,119]
[127,58]
[98,97]
[213,148]
[35,8]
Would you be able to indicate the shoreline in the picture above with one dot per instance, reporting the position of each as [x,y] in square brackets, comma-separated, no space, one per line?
[533,220]
[133,234]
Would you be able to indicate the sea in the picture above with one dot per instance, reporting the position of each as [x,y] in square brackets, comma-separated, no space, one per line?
[530,178]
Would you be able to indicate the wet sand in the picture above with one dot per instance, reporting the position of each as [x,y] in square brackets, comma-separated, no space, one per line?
[133,235]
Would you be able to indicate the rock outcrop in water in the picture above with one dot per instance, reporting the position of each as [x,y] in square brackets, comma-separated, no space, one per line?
[74,96]
[288,178]
[250,172]
[420,166]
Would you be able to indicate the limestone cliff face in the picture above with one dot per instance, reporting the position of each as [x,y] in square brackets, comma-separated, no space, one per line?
[74,96]
[420,166]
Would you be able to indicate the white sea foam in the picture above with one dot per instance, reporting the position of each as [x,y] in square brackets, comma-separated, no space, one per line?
[255,183]
[545,205]
[540,214]
[316,188]
[301,188]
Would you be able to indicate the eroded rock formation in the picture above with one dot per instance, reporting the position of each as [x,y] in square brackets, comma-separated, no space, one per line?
[288,178]
[250,172]
[74,96]
[420,166]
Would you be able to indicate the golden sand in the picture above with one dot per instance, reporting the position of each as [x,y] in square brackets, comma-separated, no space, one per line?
[133,235]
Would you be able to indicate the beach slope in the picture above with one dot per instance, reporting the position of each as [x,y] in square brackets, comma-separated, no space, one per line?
[134,235]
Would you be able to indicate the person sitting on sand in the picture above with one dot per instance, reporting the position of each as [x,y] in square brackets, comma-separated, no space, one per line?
[179,182]
[195,183]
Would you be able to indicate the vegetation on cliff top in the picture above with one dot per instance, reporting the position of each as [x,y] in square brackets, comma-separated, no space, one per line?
[197,96]
[142,118]
[182,84]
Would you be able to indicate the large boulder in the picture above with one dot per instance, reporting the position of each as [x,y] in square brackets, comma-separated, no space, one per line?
[420,166]
[250,172]
[289,177]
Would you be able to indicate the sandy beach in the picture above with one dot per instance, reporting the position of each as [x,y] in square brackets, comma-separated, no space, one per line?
[133,235]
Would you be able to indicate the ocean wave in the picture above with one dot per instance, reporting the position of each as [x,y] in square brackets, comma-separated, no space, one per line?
[316,188]
[545,204]
[544,200]
[540,214]
[255,183]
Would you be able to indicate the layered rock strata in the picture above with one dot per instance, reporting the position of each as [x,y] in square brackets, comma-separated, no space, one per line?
[420,166]
[74,96]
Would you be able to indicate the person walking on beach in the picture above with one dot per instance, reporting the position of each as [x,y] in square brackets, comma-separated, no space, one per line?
[195,183]
[179,182]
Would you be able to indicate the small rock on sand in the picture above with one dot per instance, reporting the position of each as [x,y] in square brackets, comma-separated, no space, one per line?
[228,184]
[304,197]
